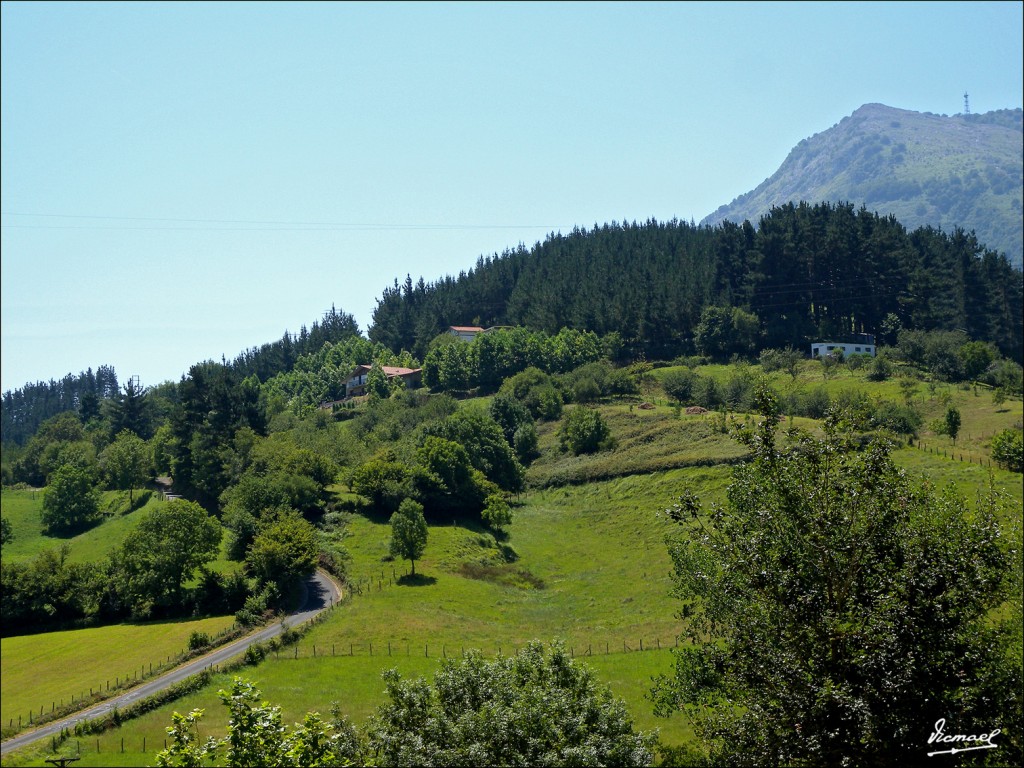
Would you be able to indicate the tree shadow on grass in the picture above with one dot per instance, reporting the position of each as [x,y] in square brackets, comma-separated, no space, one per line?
[419,580]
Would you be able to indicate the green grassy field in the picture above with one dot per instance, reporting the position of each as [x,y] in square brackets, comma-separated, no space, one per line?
[584,560]
[24,509]
[599,579]
[47,670]
[355,683]
[646,441]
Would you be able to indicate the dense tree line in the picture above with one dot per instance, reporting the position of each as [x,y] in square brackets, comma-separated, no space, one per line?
[25,409]
[144,576]
[805,272]
[280,356]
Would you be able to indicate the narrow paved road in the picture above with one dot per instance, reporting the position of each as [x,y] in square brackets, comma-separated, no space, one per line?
[321,593]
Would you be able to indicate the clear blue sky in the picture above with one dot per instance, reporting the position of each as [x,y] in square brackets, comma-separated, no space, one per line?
[183,181]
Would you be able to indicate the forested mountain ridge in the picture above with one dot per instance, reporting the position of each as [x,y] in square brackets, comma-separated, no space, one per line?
[959,171]
[806,272]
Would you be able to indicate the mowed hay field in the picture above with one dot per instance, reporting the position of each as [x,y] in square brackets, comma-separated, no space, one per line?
[48,669]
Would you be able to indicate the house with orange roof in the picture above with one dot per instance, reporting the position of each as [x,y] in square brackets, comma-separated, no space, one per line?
[356,383]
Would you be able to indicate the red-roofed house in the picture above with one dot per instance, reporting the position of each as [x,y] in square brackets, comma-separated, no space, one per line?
[466,332]
[356,384]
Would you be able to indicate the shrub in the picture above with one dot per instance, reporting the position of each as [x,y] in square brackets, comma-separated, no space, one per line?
[900,419]
[881,369]
[585,431]
[496,513]
[525,442]
[787,360]
[254,654]
[1008,450]
[857,361]
[198,640]
[71,501]
[538,707]
[707,393]
[678,384]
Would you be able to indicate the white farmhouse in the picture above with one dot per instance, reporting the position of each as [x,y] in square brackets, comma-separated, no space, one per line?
[863,344]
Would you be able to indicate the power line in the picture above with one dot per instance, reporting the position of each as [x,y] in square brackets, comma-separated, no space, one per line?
[255,224]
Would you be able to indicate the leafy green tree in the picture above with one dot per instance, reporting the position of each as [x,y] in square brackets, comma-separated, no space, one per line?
[1008,450]
[509,414]
[497,513]
[881,369]
[724,331]
[976,357]
[127,463]
[377,384]
[186,750]
[445,479]
[383,480]
[256,736]
[953,422]
[6,532]
[36,461]
[707,393]
[162,552]
[585,431]
[80,453]
[284,552]
[48,588]
[538,707]
[71,501]
[525,442]
[787,360]
[485,443]
[834,611]
[408,532]
[450,367]
[678,384]
[537,391]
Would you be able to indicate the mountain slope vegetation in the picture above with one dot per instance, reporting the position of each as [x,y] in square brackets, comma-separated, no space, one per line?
[927,170]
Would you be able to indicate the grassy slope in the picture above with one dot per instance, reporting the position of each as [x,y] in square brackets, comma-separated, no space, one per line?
[597,548]
[39,670]
[24,509]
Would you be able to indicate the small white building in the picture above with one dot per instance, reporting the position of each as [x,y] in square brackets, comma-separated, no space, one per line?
[863,345]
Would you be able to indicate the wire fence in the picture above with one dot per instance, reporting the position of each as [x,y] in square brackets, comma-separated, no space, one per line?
[953,453]
[63,706]
[445,650]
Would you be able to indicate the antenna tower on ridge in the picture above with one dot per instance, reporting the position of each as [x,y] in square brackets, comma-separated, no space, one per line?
[967,106]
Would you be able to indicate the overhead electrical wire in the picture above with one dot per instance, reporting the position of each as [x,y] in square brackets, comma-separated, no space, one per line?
[253,225]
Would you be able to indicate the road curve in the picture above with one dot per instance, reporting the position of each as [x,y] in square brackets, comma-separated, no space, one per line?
[321,593]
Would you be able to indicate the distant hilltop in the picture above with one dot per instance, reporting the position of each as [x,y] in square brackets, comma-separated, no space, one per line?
[960,171]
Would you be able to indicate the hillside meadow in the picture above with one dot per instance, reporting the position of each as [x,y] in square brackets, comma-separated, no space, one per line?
[24,508]
[584,560]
